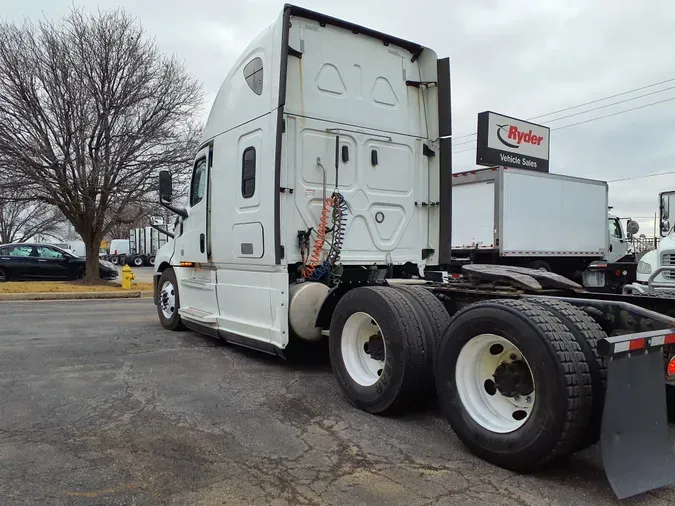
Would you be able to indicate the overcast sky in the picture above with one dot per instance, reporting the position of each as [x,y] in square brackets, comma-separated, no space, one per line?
[521,58]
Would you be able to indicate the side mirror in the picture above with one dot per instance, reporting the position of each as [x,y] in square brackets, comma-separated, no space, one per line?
[166,194]
[667,201]
[165,186]
[633,227]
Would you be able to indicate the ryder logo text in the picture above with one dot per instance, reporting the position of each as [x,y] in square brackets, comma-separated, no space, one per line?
[517,136]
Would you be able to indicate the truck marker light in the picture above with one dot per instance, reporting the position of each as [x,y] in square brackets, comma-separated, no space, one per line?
[671,366]
[187,264]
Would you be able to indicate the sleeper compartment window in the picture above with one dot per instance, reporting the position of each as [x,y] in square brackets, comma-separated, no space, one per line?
[248,173]
[253,73]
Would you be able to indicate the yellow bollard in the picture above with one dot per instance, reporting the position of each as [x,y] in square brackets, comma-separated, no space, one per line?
[127,276]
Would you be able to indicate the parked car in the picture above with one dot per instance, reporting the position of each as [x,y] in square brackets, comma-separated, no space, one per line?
[23,261]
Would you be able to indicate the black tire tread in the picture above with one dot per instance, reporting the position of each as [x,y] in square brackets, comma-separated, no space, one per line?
[434,311]
[587,333]
[408,321]
[573,363]
[412,331]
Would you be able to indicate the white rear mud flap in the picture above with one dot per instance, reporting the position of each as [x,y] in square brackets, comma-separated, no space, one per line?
[636,449]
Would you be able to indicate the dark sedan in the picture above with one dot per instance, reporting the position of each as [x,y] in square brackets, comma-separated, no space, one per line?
[41,261]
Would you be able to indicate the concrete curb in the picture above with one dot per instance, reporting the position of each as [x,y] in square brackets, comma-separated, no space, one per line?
[131,294]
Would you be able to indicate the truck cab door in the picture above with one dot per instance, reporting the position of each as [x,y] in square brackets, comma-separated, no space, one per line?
[192,245]
[617,242]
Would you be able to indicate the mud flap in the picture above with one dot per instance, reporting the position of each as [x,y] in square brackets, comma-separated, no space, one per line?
[637,453]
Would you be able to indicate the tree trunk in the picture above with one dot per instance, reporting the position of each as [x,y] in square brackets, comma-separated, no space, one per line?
[92,273]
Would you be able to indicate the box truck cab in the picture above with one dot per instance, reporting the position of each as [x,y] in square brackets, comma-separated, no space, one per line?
[620,247]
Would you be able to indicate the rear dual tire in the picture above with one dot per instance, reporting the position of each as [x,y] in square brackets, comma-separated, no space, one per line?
[556,422]
[382,345]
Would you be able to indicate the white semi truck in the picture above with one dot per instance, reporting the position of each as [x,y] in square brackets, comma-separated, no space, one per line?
[305,221]
[540,220]
[656,269]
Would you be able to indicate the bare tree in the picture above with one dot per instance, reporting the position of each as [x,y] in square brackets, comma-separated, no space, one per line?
[21,218]
[90,111]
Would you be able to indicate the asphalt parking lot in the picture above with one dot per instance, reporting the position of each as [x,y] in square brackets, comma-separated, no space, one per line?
[99,405]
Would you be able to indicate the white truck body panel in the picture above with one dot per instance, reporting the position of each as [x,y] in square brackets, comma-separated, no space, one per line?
[355,87]
[119,247]
[535,214]
[474,228]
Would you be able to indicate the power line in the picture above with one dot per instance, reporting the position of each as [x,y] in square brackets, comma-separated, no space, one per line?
[591,119]
[588,103]
[591,110]
[653,174]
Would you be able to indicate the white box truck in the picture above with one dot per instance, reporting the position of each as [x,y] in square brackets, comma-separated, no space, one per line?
[540,220]
[302,225]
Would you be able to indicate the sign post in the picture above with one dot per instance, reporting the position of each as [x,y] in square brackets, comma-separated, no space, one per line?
[511,142]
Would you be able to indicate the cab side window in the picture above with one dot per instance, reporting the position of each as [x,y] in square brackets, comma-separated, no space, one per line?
[248,173]
[198,185]
[615,229]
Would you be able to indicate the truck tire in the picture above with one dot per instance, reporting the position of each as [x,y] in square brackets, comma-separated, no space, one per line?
[536,405]
[137,261]
[151,260]
[435,319]
[540,265]
[376,348]
[168,301]
[587,333]
[114,260]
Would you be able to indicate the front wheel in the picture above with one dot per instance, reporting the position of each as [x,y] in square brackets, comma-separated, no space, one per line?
[168,301]
[514,384]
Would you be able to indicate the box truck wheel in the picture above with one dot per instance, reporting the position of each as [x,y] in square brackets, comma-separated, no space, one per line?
[513,383]
[435,319]
[586,332]
[168,301]
[540,265]
[376,348]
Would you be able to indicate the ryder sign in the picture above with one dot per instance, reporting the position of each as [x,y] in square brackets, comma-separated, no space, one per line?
[511,142]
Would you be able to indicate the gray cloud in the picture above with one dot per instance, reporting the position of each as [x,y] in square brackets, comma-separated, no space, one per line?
[517,57]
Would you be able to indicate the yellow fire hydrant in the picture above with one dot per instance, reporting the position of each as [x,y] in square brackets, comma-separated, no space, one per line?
[127,277]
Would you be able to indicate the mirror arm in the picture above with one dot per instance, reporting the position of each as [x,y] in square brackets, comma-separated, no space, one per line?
[162,230]
[180,211]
